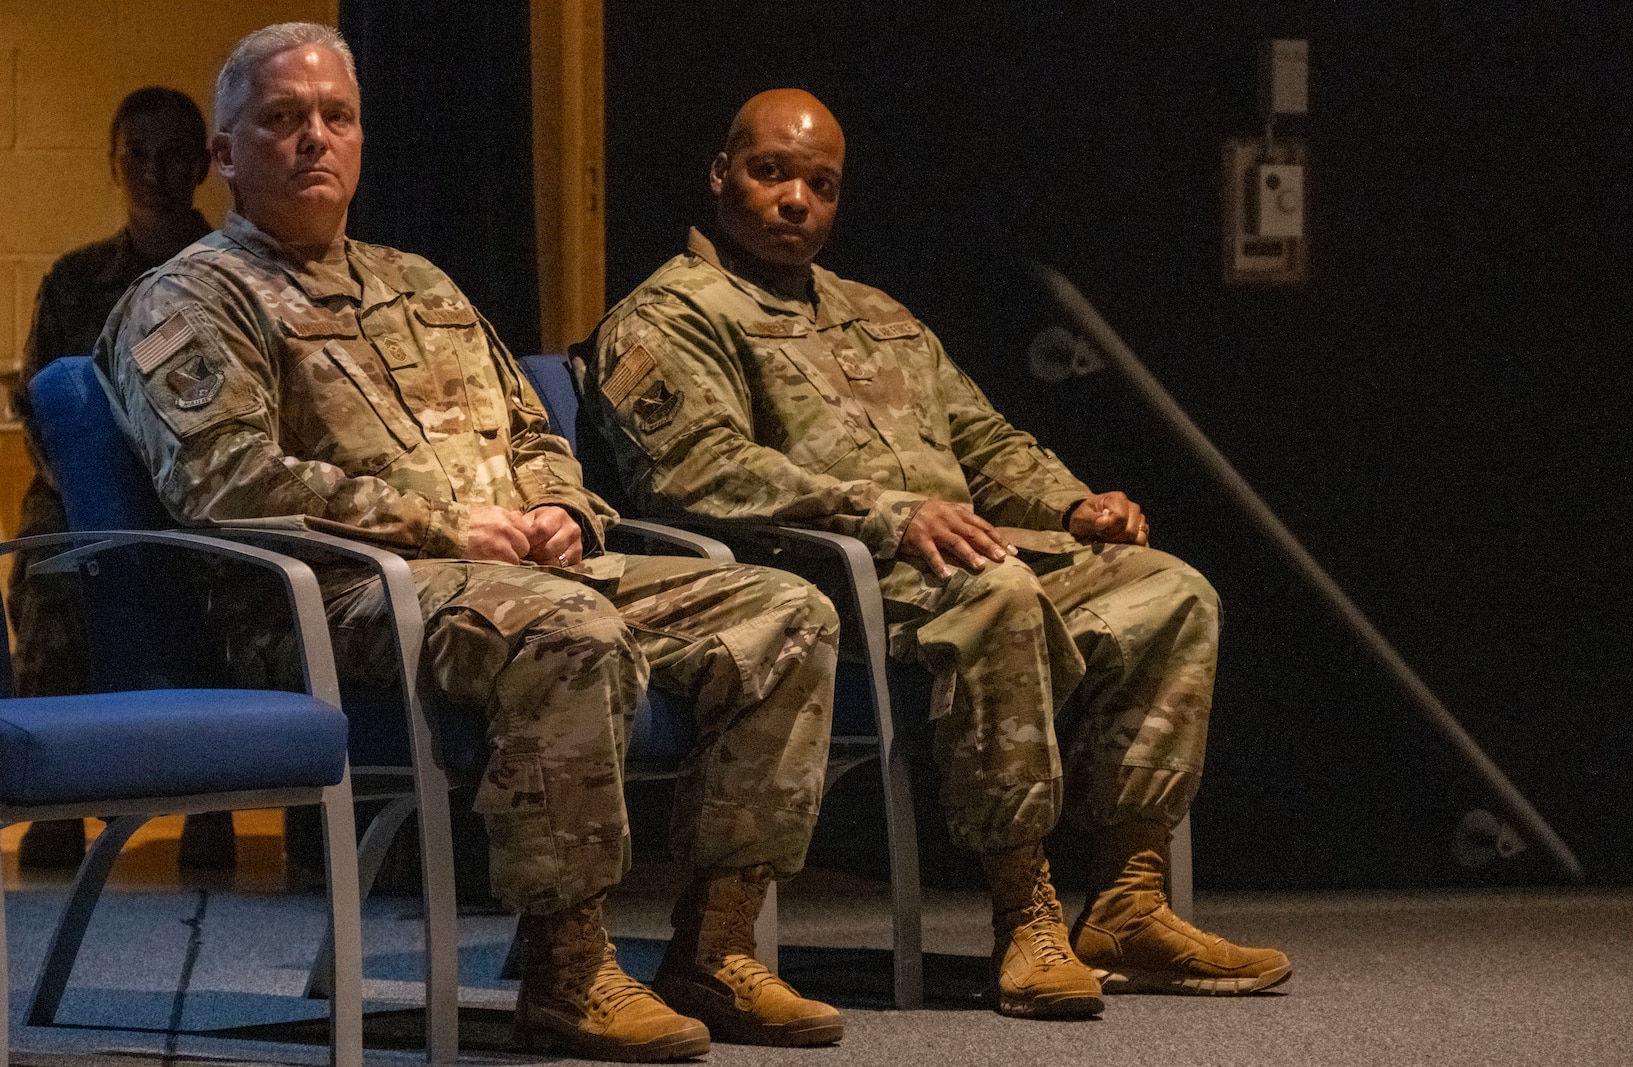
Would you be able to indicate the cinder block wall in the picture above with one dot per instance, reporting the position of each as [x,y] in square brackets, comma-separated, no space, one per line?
[64,66]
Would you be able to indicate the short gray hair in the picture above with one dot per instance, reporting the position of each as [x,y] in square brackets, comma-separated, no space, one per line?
[232,84]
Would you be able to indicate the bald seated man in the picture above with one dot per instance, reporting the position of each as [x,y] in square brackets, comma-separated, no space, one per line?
[278,368]
[1073,676]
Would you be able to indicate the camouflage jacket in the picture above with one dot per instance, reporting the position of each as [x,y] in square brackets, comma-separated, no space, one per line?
[362,389]
[833,408]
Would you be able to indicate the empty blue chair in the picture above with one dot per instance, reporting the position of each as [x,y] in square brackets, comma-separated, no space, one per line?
[128,756]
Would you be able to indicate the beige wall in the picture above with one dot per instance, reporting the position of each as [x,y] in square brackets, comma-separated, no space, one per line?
[64,66]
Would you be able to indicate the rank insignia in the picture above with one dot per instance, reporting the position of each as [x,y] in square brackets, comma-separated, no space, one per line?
[655,408]
[195,384]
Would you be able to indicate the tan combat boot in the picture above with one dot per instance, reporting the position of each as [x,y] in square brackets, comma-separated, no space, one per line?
[1136,944]
[576,999]
[709,969]
[1034,970]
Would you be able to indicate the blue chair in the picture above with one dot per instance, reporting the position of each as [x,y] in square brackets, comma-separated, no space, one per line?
[404,748]
[864,730]
[128,756]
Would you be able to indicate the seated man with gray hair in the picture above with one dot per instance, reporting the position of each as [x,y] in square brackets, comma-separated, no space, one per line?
[278,368]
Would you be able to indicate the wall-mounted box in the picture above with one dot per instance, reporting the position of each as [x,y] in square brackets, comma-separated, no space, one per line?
[1284,77]
[1263,212]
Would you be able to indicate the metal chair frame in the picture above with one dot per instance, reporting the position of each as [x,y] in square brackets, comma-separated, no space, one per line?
[128,815]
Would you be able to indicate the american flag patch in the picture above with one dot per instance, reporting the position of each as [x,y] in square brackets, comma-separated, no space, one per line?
[632,367]
[162,343]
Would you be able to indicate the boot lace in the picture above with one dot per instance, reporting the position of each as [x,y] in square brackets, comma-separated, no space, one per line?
[604,985]
[728,930]
[746,975]
[1183,925]
[1046,924]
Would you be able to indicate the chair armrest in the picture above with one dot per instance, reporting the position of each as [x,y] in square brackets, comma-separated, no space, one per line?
[300,585]
[402,601]
[840,566]
[640,537]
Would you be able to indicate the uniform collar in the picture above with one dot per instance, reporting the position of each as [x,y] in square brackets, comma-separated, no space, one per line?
[333,274]
[822,301]
[818,299]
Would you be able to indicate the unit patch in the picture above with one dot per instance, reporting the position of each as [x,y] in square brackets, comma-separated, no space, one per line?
[162,343]
[655,408]
[194,384]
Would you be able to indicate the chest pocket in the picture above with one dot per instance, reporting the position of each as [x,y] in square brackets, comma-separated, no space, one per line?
[903,338]
[458,364]
[339,412]
[819,420]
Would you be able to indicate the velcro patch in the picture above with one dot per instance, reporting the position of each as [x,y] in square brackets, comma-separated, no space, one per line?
[656,407]
[162,343]
[195,384]
[786,327]
[632,367]
[887,331]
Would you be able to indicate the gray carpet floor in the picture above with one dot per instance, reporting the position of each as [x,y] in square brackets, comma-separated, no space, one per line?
[1502,977]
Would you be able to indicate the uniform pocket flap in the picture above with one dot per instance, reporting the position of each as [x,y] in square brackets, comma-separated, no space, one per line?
[446,315]
[316,323]
[783,327]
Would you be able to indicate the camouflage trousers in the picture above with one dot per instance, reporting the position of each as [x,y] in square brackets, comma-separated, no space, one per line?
[52,657]
[558,663]
[1078,684]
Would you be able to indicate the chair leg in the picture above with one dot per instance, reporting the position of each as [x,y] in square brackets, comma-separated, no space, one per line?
[1179,869]
[901,833]
[441,918]
[371,854]
[345,935]
[5,987]
[76,916]
[765,930]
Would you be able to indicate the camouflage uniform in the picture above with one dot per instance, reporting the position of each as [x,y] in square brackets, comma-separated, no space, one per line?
[723,397]
[73,302]
[365,391]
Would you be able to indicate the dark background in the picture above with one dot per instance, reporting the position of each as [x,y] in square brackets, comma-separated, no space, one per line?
[1441,413]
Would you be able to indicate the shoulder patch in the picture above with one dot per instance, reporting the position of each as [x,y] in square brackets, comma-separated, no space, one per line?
[195,384]
[655,408]
[632,367]
[162,343]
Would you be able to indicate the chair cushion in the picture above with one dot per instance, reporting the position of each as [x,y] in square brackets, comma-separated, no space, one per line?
[662,733]
[165,743]
[660,737]
[910,689]
[104,485]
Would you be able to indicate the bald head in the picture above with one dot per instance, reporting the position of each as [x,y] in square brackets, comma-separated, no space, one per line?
[776,182]
[793,109]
